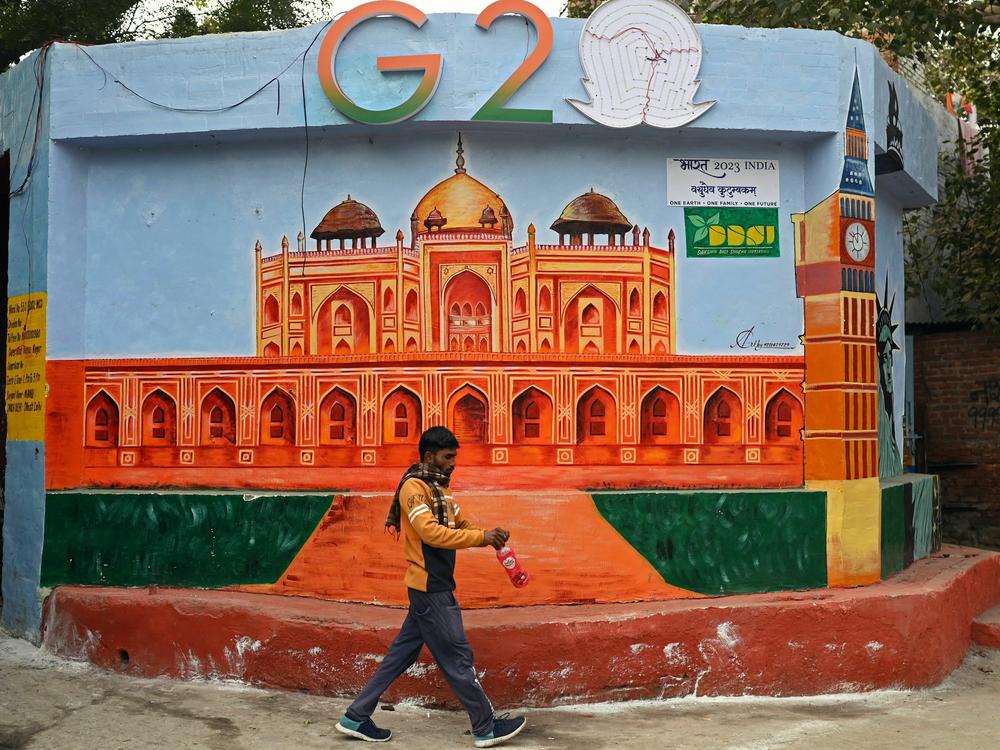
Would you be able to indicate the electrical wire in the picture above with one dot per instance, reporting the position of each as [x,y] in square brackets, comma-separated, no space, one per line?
[38,99]
[36,104]
[305,126]
[225,107]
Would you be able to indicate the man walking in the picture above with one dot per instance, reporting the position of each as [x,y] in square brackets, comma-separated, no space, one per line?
[433,528]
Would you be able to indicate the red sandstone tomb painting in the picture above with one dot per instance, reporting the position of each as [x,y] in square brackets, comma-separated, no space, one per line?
[558,358]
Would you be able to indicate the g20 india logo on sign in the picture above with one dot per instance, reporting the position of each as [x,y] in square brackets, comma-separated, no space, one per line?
[653,41]
[730,205]
[731,232]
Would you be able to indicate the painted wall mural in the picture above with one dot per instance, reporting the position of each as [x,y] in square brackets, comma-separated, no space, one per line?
[611,327]
[910,527]
[650,545]
[726,542]
[889,456]
[535,354]
[204,540]
[835,275]
[891,160]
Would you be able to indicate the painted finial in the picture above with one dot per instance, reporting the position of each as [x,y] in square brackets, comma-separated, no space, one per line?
[460,160]
[399,235]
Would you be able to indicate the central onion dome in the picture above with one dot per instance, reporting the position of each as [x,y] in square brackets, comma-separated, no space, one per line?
[591,213]
[462,203]
[347,221]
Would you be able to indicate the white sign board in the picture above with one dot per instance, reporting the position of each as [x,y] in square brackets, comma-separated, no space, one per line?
[738,183]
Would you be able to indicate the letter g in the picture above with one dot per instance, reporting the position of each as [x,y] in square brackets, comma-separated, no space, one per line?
[430,65]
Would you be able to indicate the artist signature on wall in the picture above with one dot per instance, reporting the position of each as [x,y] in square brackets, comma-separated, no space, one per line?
[749,340]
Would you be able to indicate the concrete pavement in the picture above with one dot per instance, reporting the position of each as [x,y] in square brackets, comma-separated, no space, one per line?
[47,703]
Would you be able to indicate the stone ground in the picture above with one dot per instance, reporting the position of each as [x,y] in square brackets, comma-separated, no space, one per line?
[47,703]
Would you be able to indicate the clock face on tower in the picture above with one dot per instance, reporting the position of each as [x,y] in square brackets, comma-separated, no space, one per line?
[857,242]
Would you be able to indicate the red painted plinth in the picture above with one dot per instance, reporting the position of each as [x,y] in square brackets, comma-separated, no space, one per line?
[908,632]
[986,628]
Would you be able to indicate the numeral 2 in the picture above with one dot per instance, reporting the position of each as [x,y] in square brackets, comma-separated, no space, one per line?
[493,109]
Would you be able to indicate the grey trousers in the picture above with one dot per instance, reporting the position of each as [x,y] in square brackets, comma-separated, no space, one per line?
[434,619]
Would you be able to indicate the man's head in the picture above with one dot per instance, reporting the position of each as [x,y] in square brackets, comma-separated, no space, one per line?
[439,448]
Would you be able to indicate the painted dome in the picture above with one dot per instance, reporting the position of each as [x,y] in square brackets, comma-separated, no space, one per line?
[348,220]
[463,203]
[591,213]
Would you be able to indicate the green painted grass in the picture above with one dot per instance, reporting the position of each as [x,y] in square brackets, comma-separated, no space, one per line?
[176,538]
[893,546]
[725,542]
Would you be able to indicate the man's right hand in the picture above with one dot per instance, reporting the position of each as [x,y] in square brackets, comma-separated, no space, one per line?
[496,538]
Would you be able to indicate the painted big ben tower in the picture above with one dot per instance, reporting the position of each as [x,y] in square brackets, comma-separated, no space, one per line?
[835,275]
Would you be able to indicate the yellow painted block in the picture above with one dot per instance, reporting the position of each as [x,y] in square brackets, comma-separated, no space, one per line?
[25,384]
[853,531]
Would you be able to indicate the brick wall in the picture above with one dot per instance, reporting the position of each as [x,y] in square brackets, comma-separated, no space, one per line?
[957,393]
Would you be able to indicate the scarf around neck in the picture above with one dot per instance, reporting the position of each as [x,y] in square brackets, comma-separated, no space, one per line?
[433,478]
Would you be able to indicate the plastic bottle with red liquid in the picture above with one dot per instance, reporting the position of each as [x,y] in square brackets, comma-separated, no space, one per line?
[507,558]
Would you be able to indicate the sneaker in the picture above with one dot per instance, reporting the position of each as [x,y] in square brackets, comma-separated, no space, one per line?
[363,730]
[503,730]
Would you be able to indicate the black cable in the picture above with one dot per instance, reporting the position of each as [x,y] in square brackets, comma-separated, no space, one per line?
[276,80]
[305,127]
[171,108]
[38,100]
[36,103]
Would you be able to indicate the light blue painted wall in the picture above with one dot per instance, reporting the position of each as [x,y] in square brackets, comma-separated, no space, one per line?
[150,202]
[176,244]
[24,513]
[919,180]
[23,528]
[771,80]
[162,206]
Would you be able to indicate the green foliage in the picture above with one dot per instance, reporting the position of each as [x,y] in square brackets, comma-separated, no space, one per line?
[234,16]
[184,24]
[953,248]
[28,24]
[898,28]
[206,540]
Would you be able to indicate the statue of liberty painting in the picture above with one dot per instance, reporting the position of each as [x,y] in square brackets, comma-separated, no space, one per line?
[889,462]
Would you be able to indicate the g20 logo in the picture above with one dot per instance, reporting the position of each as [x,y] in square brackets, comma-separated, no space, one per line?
[430,65]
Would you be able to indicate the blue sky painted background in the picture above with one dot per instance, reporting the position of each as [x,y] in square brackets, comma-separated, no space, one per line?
[174,234]
[154,214]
